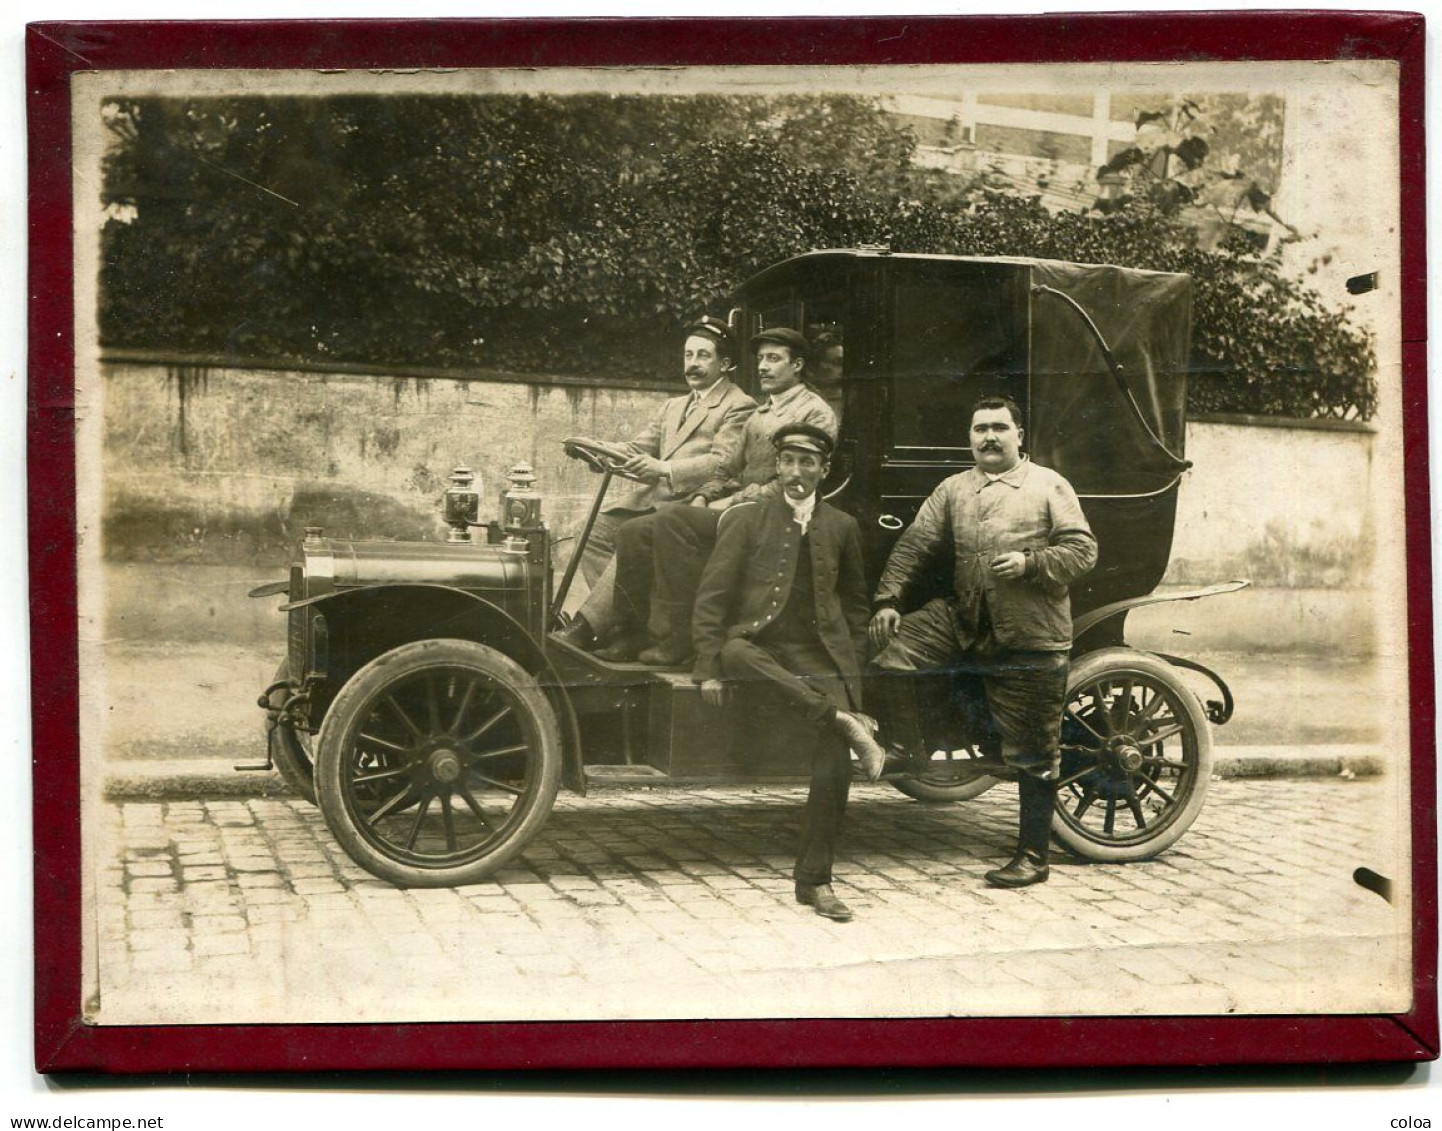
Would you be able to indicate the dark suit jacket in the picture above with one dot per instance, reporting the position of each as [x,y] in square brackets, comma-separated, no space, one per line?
[749,577]
[697,446]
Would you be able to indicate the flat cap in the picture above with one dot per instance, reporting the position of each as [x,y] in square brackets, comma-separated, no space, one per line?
[804,438]
[783,336]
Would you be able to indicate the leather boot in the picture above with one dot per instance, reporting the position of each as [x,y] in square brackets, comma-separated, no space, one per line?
[670,653]
[623,649]
[1029,865]
[577,634]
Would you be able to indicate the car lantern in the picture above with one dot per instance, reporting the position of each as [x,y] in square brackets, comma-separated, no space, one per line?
[520,507]
[462,504]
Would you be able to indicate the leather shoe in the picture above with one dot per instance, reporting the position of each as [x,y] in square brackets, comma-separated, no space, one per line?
[667,654]
[858,730]
[1026,868]
[623,650]
[577,634]
[899,765]
[823,899]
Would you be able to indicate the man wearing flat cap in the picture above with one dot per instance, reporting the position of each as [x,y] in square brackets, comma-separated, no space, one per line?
[782,611]
[682,535]
[679,451]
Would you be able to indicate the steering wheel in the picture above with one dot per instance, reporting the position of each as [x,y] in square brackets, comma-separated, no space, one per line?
[600,457]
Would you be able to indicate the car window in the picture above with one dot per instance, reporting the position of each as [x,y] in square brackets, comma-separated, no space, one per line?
[954,340]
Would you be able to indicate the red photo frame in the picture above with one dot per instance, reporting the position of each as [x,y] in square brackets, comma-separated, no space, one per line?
[65,1043]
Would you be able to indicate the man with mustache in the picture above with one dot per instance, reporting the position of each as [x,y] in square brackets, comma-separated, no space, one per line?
[1020,539]
[781,611]
[659,560]
[678,452]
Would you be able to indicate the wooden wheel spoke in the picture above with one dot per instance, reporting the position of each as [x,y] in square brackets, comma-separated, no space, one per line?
[380,775]
[1121,709]
[1086,726]
[385,742]
[400,713]
[1135,805]
[488,724]
[1162,735]
[1110,823]
[473,805]
[433,705]
[390,806]
[1088,798]
[1170,763]
[501,785]
[448,821]
[1152,782]
[1077,775]
[499,752]
[464,706]
[1158,699]
[420,818]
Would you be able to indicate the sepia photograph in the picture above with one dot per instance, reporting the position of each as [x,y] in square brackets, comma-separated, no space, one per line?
[659,543]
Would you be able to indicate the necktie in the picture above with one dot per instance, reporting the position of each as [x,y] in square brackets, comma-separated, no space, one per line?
[690,404]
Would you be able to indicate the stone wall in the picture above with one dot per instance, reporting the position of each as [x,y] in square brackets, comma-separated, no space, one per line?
[227,466]
[224,467]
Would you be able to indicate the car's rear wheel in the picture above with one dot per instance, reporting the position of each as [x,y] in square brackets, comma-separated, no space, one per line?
[437,763]
[946,778]
[1136,757]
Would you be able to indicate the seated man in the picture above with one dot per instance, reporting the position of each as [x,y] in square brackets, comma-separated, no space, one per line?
[659,560]
[678,452]
[782,611]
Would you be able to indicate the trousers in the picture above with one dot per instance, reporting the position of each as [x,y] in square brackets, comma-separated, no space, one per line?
[800,676]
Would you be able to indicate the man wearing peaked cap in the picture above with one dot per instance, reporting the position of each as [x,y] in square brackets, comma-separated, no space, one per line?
[782,612]
[682,536]
[679,451]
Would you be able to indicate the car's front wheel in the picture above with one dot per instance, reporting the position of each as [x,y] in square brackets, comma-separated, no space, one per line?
[437,763]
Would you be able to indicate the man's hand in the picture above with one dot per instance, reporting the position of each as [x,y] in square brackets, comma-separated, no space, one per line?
[646,468]
[721,504]
[699,501]
[884,627]
[713,693]
[1011,566]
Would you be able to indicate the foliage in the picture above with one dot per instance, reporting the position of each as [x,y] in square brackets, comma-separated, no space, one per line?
[579,234]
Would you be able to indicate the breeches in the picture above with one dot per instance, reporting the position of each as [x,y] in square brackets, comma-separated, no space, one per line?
[1025,690]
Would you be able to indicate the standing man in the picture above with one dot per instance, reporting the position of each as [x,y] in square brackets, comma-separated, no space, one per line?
[678,452]
[782,611]
[682,536]
[1020,539]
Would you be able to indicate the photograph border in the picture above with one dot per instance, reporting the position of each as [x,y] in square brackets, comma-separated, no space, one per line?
[63,1042]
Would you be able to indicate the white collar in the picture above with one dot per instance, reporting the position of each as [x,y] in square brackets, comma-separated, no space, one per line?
[801,511]
[699,395]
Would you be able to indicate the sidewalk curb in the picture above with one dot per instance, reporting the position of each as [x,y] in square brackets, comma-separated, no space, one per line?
[174,779]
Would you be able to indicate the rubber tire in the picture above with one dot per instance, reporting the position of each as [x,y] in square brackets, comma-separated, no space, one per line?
[1122,660]
[287,753]
[335,741]
[923,790]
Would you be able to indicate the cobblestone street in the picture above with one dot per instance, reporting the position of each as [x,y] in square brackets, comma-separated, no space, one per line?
[678,903]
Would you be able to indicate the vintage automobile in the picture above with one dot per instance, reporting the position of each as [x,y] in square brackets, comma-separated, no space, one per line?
[425,708]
